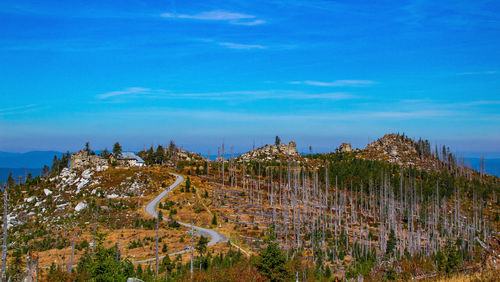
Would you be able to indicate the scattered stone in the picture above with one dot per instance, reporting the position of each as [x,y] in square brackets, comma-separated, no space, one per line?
[80,206]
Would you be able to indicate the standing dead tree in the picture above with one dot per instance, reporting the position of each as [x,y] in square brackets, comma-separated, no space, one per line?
[70,265]
[4,246]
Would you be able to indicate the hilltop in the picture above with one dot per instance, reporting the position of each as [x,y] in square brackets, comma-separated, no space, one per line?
[401,150]
[407,152]
[278,151]
[346,214]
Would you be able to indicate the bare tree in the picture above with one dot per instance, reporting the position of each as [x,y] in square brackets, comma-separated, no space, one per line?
[70,266]
[95,231]
[4,246]
[192,250]
[158,218]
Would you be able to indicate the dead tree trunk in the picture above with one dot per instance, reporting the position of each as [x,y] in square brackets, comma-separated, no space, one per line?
[70,266]
[192,250]
[157,259]
[95,233]
[4,248]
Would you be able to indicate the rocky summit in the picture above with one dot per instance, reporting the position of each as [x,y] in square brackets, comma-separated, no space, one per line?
[272,152]
[401,150]
[345,148]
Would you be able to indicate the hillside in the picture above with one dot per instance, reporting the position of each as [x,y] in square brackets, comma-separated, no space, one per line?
[406,152]
[401,150]
[340,215]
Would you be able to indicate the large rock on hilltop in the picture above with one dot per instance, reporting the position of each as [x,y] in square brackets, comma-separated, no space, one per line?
[273,152]
[401,150]
[83,160]
[344,148]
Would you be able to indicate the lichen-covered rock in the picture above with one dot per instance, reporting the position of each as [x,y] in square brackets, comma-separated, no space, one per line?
[80,206]
[344,148]
[400,150]
[83,159]
[270,152]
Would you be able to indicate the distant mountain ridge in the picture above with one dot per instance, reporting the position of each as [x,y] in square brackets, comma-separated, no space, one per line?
[37,159]
[33,159]
[16,172]
[491,165]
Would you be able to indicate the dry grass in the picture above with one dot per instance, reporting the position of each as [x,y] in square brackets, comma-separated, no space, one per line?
[485,275]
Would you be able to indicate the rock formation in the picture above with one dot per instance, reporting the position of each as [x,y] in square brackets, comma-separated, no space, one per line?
[344,148]
[271,152]
[398,149]
[82,160]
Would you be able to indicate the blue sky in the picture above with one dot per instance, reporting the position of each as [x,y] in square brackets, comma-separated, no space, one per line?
[198,72]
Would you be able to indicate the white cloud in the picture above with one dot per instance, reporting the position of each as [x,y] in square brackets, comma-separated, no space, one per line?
[436,104]
[407,114]
[336,83]
[239,46]
[478,73]
[18,109]
[219,15]
[249,23]
[129,92]
[287,116]
[23,107]
[265,95]
[225,95]
[325,96]
[483,102]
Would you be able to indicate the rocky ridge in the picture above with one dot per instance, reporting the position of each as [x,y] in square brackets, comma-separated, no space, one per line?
[272,152]
[82,160]
[400,150]
[184,155]
[68,193]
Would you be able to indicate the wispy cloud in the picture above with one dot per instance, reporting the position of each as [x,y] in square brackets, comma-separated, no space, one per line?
[273,94]
[131,91]
[219,15]
[435,104]
[482,102]
[18,109]
[224,95]
[62,45]
[478,72]
[336,83]
[285,116]
[407,114]
[239,46]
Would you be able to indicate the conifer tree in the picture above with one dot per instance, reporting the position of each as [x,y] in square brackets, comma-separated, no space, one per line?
[117,150]
[201,247]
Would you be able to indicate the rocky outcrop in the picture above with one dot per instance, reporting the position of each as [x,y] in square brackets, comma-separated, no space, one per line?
[83,160]
[183,155]
[272,152]
[345,148]
[398,149]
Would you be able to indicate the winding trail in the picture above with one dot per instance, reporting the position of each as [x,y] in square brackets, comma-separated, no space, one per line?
[215,237]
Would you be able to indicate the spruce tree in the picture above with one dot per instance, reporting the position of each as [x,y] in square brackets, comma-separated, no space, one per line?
[391,243]
[272,260]
[117,150]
